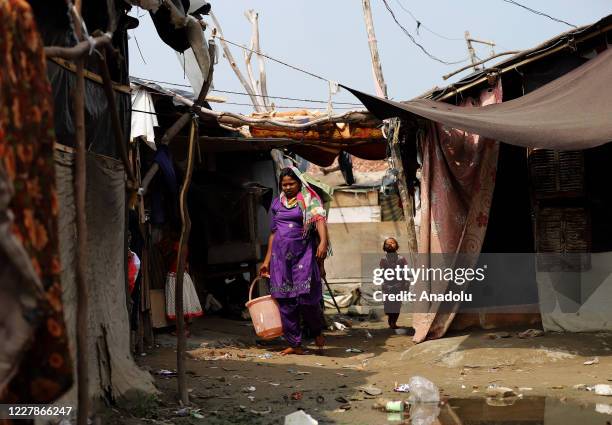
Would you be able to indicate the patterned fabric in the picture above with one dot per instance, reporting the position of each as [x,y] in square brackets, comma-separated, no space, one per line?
[26,151]
[309,202]
[191,302]
[459,171]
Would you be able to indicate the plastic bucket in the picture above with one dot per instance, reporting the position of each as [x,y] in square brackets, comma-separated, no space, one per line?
[265,315]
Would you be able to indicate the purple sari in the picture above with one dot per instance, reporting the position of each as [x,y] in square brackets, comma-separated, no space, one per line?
[295,281]
[294,272]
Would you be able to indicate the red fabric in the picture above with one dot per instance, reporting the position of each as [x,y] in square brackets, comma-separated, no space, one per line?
[174,263]
[459,171]
[132,271]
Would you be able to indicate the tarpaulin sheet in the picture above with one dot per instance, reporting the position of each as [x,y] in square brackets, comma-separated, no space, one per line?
[569,113]
[99,134]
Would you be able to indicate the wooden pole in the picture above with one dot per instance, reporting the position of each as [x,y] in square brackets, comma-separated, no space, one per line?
[115,121]
[180,271]
[80,186]
[378,74]
[396,154]
[230,58]
[405,195]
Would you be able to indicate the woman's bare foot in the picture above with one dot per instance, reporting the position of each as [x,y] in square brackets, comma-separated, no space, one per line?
[292,350]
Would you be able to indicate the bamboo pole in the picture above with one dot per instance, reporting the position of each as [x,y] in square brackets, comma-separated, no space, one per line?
[378,74]
[405,195]
[180,271]
[234,65]
[396,153]
[80,186]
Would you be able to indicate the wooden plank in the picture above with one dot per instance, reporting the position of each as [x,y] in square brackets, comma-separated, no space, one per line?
[92,76]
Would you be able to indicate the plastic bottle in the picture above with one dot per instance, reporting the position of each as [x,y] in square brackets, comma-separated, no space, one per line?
[385,405]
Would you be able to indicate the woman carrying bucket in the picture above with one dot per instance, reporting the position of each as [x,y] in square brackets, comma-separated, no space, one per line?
[297,244]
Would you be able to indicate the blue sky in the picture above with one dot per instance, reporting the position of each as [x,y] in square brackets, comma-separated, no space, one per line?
[329,38]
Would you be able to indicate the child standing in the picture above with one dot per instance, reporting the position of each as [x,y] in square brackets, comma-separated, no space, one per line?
[393,286]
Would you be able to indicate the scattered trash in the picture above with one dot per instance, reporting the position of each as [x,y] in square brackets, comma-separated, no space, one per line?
[184,412]
[296,395]
[424,413]
[606,409]
[319,364]
[497,335]
[261,412]
[341,399]
[394,417]
[496,391]
[354,350]
[368,334]
[251,398]
[302,373]
[265,356]
[531,333]
[300,418]
[400,331]
[530,389]
[501,402]
[196,414]
[371,390]
[339,326]
[580,387]
[602,389]
[402,388]
[340,374]
[388,405]
[320,399]
[423,390]
[275,384]
[165,372]
[592,362]
[143,354]
[250,389]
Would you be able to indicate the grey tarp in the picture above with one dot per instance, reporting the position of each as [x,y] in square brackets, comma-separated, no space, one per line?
[113,374]
[570,113]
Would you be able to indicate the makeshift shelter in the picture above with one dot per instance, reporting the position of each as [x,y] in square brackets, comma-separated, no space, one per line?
[113,374]
[232,185]
[514,160]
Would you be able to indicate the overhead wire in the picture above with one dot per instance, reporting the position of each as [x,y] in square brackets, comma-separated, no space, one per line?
[537,12]
[274,59]
[420,24]
[416,43]
[256,95]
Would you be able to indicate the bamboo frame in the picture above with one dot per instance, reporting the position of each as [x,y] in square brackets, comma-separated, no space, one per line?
[525,62]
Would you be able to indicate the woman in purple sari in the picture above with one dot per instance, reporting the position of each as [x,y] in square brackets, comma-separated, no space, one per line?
[293,258]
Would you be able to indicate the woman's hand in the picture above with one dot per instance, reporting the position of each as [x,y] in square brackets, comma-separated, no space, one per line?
[322,250]
[264,269]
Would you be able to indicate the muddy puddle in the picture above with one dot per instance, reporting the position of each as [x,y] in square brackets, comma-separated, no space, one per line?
[518,411]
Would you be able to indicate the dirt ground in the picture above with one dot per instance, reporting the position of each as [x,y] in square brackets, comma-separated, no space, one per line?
[225,360]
